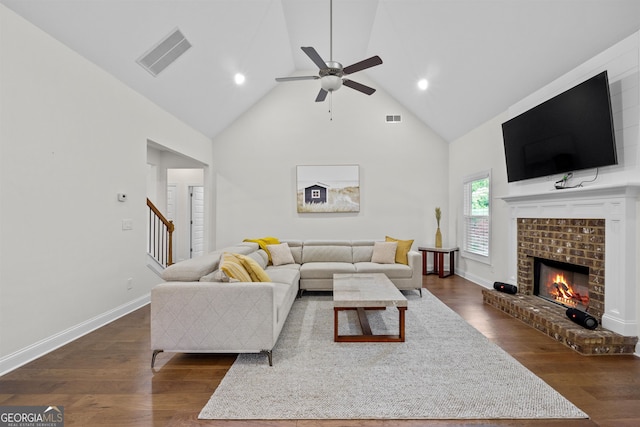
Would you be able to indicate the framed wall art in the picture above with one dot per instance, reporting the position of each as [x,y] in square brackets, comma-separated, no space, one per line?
[331,188]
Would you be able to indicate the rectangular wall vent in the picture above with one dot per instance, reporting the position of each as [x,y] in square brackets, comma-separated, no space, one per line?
[394,118]
[164,53]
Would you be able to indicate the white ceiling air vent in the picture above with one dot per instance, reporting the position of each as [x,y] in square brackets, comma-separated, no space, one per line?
[164,52]
[394,118]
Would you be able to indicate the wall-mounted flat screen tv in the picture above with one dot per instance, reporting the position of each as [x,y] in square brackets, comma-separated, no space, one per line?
[569,132]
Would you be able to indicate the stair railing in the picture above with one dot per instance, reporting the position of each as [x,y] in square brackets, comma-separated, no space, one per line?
[160,245]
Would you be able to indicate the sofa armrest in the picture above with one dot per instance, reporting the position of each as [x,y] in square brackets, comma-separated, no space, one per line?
[415,262]
[213,317]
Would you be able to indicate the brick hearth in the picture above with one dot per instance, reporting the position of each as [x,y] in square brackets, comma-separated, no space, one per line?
[550,319]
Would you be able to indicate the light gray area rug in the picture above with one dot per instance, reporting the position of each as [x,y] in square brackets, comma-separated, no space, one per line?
[446,369]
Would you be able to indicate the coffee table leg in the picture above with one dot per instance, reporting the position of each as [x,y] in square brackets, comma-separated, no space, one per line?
[367,335]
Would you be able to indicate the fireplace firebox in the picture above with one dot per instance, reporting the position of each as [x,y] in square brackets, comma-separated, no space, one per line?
[562,283]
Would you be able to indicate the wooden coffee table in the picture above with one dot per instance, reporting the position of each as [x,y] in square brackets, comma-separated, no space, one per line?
[366,291]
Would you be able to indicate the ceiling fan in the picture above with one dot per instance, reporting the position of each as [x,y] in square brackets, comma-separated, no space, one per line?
[331,73]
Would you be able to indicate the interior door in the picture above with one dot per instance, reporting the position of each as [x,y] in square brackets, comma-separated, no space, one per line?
[196,193]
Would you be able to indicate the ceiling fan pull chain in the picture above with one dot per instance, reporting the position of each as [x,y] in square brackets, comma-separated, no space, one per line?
[331,106]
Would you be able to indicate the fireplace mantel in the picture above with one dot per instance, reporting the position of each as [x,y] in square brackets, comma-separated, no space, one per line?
[617,205]
[590,192]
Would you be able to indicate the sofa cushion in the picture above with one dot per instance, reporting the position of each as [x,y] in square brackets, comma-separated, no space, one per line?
[325,270]
[362,250]
[191,270]
[327,252]
[232,267]
[263,242]
[261,257]
[288,276]
[281,254]
[404,246]
[296,249]
[295,267]
[392,271]
[384,252]
[244,248]
[252,267]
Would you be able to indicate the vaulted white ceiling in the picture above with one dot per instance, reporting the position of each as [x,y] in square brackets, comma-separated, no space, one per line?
[479,56]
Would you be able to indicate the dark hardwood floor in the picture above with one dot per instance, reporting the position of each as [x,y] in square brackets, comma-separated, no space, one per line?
[105,379]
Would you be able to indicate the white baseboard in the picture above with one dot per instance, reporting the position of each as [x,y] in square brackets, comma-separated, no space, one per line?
[47,345]
[475,279]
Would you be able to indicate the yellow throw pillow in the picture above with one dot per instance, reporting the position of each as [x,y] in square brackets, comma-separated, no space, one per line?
[404,246]
[232,267]
[263,242]
[253,268]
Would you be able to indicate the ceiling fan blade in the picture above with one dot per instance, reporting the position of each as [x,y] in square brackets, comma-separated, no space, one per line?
[315,57]
[322,95]
[364,64]
[291,79]
[358,86]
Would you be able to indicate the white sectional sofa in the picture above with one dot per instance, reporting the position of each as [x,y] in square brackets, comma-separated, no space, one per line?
[195,312]
[320,259]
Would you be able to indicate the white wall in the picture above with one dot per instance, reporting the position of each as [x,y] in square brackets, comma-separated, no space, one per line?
[478,151]
[71,137]
[621,62]
[403,167]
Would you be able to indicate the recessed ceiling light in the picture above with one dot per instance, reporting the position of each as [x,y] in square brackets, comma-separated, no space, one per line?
[239,78]
[423,84]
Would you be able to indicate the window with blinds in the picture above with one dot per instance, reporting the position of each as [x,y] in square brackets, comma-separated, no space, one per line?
[476,221]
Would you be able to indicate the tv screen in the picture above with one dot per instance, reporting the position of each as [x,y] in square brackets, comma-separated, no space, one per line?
[569,132]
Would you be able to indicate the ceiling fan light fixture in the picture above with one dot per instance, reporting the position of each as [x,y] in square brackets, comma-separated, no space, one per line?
[331,83]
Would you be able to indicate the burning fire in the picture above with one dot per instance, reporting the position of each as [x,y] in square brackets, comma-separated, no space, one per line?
[563,292]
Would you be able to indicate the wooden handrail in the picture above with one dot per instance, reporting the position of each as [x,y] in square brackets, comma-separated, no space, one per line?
[162,218]
[159,236]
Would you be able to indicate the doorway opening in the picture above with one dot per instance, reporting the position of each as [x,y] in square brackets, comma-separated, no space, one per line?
[176,185]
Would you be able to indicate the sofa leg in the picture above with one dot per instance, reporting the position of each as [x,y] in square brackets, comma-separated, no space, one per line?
[153,357]
[269,355]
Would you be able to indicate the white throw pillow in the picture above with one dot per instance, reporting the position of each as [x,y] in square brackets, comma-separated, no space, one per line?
[384,252]
[280,254]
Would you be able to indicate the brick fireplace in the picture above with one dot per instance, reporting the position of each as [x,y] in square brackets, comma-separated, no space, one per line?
[576,241]
[593,228]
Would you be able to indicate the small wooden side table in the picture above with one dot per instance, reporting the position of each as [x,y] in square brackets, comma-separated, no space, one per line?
[438,260]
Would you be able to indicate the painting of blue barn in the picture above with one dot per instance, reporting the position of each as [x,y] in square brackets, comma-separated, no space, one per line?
[316,193]
[333,188]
